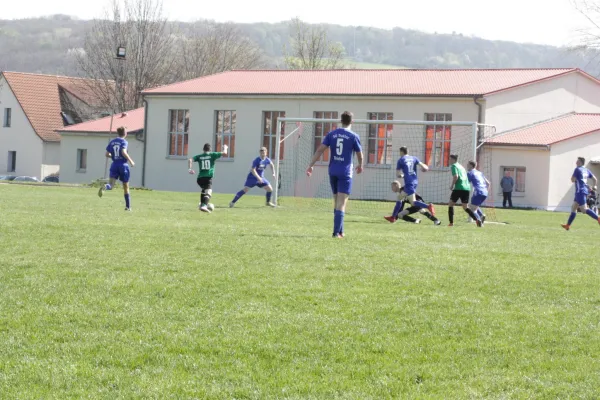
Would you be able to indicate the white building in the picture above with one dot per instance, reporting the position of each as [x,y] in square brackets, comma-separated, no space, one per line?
[83,147]
[542,159]
[32,108]
[241,108]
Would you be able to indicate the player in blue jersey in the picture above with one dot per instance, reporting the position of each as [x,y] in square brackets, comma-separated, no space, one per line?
[119,169]
[343,143]
[399,207]
[256,177]
[480,186]
[406,168]
[580,177]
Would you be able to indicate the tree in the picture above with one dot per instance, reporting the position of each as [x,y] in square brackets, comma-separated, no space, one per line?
[310,48]
[588,45]
[210,48]
[137,25]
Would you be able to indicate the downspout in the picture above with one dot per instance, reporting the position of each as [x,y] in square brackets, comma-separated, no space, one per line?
[145,142]
[479,120]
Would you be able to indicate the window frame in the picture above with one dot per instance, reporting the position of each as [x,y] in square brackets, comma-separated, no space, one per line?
[431,144]
[225,134]
[387,152]
[11,166]
[515,170]
[7,122]
[272,135]
[183,134]
[324,128]
[78,167]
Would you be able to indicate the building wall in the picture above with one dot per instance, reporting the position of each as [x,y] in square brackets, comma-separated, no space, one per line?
[97,164]
[563,157]
[19,137]
[541,101]
[51,159]
[165,173]
[537,164]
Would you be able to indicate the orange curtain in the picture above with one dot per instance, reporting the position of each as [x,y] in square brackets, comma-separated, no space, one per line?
[447,135]
[172,148]
[428,144]
[380,143]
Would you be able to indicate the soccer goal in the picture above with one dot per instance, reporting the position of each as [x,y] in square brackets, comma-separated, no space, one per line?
[431,141]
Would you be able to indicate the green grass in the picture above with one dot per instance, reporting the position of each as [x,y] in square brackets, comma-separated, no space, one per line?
[257,303]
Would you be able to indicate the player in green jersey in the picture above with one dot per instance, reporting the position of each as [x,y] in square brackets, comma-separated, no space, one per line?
[206,171]
[461,189]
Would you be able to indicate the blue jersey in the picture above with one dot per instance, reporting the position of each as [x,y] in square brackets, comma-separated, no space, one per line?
[478,181]
[342,144]
[581,175]
[408,165]
[115,148]
[260,166]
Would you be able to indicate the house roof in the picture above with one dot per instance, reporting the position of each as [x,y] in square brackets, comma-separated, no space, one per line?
[133,120]
[550,132]
[39,97]
[397,82]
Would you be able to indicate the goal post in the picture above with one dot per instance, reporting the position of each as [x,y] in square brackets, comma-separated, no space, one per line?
[431,141]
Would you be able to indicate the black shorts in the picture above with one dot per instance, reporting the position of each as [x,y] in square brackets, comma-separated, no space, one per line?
[205,183]
[462,195]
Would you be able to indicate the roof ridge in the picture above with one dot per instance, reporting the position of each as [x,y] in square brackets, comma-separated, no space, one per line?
[542,122]
[397,69]
[47,75]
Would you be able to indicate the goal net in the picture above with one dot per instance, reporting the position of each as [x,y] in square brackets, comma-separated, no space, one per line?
[431,141]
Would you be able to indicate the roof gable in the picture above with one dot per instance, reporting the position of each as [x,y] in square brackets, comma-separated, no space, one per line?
[133,120]
[349,82]
[39,97]
[550,132]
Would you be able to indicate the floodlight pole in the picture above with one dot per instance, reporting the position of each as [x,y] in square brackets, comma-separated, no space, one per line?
[121,56]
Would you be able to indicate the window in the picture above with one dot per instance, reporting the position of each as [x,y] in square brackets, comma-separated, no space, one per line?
[81,160]
[518,175]
[437,141]
[12,161]
[379,146]
[225,132]
[322,129]
[7,117]
[179,126]
[270,126]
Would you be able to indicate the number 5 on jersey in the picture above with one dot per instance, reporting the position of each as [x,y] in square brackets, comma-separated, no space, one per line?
[339,147]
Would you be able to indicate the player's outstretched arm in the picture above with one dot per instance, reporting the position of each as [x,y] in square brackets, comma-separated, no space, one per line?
[126,155]
[190,170]
[315,158]
[454,179]
[424,167]
[108,155]
[272,168]
[225,149]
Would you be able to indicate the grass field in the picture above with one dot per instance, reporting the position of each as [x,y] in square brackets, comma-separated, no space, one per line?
[257,303]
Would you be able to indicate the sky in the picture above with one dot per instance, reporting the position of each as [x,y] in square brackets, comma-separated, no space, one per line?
[553,22]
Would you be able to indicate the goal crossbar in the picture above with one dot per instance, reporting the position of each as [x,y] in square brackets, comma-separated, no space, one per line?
[282,121]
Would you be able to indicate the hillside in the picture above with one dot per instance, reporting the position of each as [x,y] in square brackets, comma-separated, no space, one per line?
[46,45]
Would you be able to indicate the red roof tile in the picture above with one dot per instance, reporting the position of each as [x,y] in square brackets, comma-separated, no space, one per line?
[133,120]
[550,132]
[39,97]
[397,82]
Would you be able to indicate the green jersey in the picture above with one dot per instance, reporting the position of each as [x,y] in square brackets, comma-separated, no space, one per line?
[462,183]
[206,163]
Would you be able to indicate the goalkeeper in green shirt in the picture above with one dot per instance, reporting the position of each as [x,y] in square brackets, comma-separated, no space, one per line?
[461,189]
[206,171]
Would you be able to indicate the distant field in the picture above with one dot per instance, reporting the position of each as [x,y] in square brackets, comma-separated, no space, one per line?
[256,303]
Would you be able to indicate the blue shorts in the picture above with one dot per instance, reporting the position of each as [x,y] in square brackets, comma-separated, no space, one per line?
[581,198]
[340,184]
[410,189]
[120,172]
[478,200]
[251,182]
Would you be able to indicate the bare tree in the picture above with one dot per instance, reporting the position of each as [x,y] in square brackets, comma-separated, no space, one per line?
[588,45]
[310,48]
[139,26]
[212,47]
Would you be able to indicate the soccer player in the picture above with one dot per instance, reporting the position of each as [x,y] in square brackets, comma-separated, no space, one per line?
[580,177]
[406,168]
[119,169]
[461,189]
[480,191]
[206,172]
[256,177]
[396,188]
[343,143]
